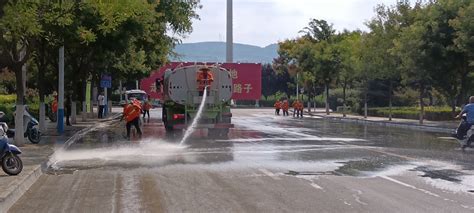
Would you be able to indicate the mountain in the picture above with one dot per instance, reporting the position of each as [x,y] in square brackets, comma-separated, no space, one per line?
[215,52]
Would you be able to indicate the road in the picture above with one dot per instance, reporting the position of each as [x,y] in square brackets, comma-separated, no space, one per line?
[268,164]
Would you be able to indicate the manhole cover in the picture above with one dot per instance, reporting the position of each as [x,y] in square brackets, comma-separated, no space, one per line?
[471,191]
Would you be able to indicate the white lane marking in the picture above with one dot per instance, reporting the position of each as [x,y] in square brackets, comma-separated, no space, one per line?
[291,139]
[316,185]
[409,186]
[357,197]
[345,202]
[130,198]
[270,174]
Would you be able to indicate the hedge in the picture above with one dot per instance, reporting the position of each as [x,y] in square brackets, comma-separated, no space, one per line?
[7,105]
[431,113]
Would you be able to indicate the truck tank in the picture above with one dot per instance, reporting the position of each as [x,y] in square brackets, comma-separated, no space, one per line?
[181,100]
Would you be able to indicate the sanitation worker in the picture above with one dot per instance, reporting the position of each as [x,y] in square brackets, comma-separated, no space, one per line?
[295,106]
[277,106]
[285,106]
[54,104]
[146,109]
[204,78]
[300,109]
[131,114]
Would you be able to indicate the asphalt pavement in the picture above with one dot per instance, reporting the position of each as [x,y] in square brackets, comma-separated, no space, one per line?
[268,164]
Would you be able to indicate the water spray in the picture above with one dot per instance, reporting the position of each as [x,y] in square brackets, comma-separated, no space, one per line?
[192,128]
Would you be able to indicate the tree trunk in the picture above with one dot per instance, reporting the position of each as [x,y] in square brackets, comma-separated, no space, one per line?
[327,99]
[422,105]
[453,106]
[390,101]
[20,95]
[41,91]
[365,104]
[344,100]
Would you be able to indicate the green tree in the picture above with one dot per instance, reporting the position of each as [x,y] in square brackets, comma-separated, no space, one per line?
[463,42]
[349,46]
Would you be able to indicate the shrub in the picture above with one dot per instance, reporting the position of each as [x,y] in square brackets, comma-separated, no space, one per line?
[431,113]
[7,99]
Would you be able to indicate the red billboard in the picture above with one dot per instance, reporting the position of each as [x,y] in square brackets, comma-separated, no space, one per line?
[246,79]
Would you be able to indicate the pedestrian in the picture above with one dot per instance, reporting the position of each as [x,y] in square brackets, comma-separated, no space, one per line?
[67,106]
[101,100]
[295,106]
[131,114]
[146,109]
[204,78]
[300,109]
[277,106]
[285,107]
[54,104]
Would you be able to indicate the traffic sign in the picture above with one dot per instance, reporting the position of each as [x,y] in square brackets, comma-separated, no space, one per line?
[106,81]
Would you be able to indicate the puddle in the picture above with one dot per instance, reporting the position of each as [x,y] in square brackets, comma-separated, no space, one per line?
[368,165]
[443,174]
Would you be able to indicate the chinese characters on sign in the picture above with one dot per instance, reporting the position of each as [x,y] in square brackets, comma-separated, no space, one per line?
[238,88]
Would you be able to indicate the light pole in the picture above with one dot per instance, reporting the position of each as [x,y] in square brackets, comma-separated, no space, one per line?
[297,86]
[61,92]
[229,34]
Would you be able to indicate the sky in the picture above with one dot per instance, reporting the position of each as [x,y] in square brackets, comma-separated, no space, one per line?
[264,22]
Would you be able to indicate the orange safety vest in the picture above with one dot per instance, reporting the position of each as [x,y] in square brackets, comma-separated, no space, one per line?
[147,106]
[285,105]
[204,79]
[54,105]
[295,105]
[300,106]
[131,111]
[277,105]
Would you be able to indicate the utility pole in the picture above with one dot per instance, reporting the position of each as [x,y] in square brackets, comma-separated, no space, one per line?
[61,92]
[297,86]
[229,34]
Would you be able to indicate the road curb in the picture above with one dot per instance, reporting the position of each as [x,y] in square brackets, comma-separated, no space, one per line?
[388,124]
[9,198]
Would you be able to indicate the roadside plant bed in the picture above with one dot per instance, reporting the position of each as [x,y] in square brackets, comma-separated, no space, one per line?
[431,113]
[7,105]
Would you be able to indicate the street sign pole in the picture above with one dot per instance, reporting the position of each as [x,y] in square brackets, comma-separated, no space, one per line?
[106,82]
[106,108]
[61,92]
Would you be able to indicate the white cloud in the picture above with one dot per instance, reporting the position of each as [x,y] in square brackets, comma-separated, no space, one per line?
[263,22]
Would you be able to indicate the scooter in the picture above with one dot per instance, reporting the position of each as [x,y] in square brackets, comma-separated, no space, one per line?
[30,126]
[468,140]
[11,163]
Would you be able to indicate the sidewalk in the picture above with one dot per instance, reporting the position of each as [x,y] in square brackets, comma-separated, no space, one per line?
[432,126]
[34,157]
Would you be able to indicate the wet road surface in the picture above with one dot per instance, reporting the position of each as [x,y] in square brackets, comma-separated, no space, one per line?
[268,164]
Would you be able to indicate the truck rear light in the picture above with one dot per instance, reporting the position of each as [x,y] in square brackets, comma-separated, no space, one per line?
[178,116]
[226,114]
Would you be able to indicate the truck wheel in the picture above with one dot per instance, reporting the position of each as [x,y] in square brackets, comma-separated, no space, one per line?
[224,133]
[217,133]
[173,133]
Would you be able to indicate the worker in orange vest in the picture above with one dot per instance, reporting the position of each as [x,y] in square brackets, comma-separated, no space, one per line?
[204,78]
[300,109]
[54,104]
[131,114]
[295,107]
[285,106]
[277,107]
[146,109]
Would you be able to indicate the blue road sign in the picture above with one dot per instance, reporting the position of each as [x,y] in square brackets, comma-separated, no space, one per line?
[106,81]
